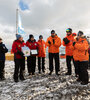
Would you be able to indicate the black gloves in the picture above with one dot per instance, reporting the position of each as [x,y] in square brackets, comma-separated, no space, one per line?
[20,53]
[53,41]
[49,42]
[74,43]
[66,40]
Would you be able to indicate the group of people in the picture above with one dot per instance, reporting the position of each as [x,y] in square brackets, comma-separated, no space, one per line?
[76,46]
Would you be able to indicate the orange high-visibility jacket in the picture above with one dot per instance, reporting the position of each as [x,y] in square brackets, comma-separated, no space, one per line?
[68,49]
[42,48]
[80,52]
[53,48]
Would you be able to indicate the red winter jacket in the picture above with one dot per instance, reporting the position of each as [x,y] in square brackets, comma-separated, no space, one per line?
[17,46]
[32,44]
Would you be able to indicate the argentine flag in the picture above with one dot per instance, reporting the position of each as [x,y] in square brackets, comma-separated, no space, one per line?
[20,28]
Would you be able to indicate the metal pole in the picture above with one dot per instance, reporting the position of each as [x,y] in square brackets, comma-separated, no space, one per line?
[17,21]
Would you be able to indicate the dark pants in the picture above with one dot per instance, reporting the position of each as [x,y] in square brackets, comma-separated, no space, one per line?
[89,62]
[76,68]
[2,65]
[31,64]
[68,62]
[41,60]
[23,63]
[82,71]
[54,56]
[18,67]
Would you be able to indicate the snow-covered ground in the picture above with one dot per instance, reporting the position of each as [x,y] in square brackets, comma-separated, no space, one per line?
[43,87]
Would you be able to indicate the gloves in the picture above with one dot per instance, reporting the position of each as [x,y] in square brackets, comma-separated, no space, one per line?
[20,53]
[53,41]
[74,43]
[49,42]
[66,40]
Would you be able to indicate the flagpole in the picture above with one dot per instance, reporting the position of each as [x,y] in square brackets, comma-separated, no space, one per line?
[17,21]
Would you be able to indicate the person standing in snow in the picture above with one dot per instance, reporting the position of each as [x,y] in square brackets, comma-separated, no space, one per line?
[41,54]
[31,60]
[53,43]
[18,58]
[3,50]
[81,57]
[67,42]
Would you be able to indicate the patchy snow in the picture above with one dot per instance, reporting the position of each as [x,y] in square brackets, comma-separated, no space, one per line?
[43,86]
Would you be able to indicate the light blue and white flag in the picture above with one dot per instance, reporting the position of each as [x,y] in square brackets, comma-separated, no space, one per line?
[20,28]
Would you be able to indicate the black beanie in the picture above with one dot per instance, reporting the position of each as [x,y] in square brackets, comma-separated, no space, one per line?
[53,31]
[40,36]
[31,36]
[80,33]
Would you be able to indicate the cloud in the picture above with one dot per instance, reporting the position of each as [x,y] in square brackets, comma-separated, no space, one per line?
[43,16]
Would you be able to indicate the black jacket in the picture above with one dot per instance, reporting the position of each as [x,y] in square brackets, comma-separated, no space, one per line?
[3,50]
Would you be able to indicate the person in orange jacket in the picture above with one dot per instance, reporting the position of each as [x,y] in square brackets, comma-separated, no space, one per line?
[81,57]
[68,41]
[53,43]
[41,54]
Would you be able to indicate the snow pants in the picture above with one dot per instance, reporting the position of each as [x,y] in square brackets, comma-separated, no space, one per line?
[69,66]
[41,64]
[2,65]
[31,64]
[82,71]
[54,56]
[19,66]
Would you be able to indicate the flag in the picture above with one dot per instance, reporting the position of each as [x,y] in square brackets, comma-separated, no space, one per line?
[23,5]
[20,28]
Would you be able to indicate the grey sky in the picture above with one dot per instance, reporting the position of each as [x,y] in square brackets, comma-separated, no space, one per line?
[43,16]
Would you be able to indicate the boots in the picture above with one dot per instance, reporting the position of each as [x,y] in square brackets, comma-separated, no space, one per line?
[2,77]
[21,77]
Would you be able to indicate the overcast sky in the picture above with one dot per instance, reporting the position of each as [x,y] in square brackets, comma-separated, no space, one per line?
[41,16]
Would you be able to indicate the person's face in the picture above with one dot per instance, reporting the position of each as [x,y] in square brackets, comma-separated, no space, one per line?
[53,34]
[0,41]
[32,38]
[21,39]
[40,38]
[68,33]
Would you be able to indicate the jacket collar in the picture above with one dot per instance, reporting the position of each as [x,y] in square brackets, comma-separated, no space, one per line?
[54,37]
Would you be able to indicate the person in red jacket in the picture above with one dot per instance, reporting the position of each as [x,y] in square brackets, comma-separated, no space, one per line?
[31,60]
[18,58]
[41,54]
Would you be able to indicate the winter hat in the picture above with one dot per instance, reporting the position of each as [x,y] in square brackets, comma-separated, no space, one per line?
[18,36]
[31,36]
[69,30]
[0,38]
[80,33]
[53,31]
[40,36]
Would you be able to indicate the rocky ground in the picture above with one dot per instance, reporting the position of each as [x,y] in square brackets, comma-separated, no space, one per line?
[43,87]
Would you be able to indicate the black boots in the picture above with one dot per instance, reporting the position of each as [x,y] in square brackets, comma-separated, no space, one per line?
[68,73]
[50,73]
